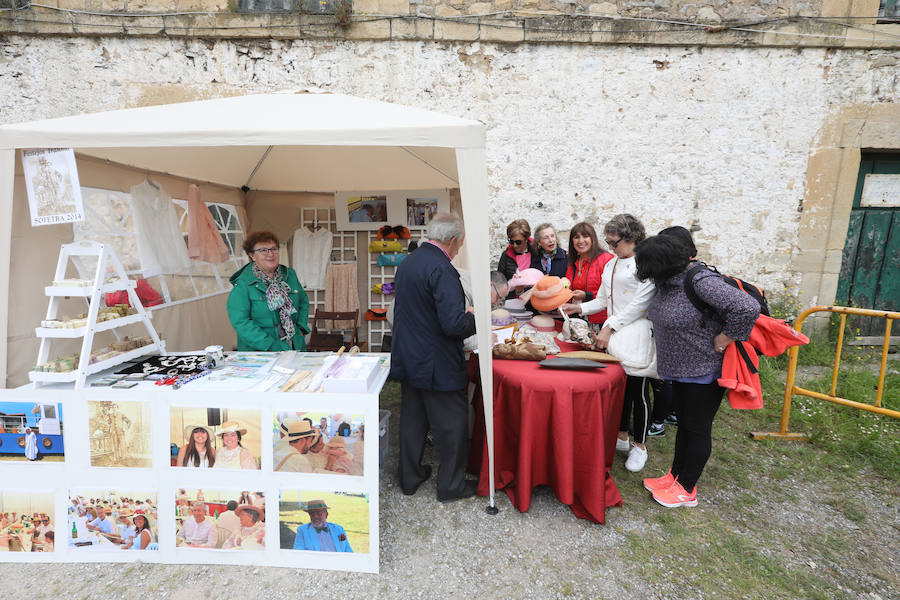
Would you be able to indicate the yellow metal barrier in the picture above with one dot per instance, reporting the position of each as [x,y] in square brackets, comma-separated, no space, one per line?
[790,389]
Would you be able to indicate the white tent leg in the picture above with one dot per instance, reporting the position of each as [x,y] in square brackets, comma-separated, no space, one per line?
[7,177]
[470,164]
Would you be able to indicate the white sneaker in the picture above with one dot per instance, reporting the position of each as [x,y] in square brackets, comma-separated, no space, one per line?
[622,445]
[637,458]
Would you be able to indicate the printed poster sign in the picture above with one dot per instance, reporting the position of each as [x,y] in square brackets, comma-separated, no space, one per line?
[51,180]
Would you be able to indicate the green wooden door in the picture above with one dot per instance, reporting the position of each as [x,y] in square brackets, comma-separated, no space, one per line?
[870,269]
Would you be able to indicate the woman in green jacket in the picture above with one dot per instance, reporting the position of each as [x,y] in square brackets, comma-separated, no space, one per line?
[267,307]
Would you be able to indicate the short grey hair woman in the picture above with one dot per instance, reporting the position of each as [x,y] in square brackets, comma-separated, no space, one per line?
[626,299]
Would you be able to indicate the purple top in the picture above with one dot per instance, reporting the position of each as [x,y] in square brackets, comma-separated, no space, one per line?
[684,343]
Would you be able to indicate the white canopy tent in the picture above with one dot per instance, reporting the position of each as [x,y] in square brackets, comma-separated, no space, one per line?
[286,142]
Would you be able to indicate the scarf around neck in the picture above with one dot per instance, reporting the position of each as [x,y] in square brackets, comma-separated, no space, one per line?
[277,299]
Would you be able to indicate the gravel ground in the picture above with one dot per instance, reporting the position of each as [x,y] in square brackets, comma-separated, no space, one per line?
[430,550]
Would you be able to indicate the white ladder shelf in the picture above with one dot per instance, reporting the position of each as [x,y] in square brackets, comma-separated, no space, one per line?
[94,295]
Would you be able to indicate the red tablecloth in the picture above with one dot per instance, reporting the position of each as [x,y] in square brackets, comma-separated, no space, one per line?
[552,427]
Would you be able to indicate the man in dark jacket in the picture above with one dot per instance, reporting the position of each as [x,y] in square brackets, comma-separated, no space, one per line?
[431,321]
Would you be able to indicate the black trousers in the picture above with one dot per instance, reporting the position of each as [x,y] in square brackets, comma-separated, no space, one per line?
[696,405]
[662,400]
[637,401]
[447,413]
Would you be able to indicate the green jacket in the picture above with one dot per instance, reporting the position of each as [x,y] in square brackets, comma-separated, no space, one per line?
[255,324]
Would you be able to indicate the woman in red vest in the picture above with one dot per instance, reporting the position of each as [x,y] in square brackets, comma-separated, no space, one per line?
[585,272]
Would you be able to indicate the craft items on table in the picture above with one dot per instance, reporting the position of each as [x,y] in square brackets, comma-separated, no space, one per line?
[525,278]
[517,309]
[160,242]
[501,317]
[589,355]
[187,364]
[520,349]
[549,293]
[311,255]
[571,363]
[205,243]
[575,331]
[544,338]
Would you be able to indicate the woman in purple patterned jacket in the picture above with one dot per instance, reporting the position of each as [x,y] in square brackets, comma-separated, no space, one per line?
[689,349]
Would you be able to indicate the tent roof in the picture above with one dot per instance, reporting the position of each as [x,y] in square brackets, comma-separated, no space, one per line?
[228,141]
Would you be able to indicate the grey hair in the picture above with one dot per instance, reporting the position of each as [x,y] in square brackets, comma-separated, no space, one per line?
[445,227]
[540,228]
[200,504]
[627,227]
[498,279]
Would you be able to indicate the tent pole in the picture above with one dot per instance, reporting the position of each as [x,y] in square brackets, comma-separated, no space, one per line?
[7,183]
[262,159]
[470,164]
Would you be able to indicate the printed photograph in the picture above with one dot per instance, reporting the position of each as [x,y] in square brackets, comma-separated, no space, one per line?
[316,442]
[324,522]
[220,519]
[112,520]
[367,209]
[120,434]
[214,438]
[26,524]
[31,432]
[420,210]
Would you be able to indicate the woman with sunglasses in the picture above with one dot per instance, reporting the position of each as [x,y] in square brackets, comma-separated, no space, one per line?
[267,306]
[626,299]
[518,255]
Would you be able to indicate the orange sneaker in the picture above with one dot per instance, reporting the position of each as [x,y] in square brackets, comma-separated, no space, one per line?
[651,484]
[675,496]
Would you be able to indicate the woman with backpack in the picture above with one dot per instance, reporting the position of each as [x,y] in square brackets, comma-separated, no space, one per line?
[689,348]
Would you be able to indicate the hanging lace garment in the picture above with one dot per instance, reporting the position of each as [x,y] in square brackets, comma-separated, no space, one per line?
[160,242]
[312,253]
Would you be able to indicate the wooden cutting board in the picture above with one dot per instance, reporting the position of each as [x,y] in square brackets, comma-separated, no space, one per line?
[589,355]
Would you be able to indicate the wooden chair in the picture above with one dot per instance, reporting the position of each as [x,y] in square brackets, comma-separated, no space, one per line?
[327,342]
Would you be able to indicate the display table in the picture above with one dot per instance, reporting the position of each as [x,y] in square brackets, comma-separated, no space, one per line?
[552,427]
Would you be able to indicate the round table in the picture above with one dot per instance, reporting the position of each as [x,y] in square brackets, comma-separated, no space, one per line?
[552,427]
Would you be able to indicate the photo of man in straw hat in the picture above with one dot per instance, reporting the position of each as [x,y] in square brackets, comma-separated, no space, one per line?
[319,534]
[290,453]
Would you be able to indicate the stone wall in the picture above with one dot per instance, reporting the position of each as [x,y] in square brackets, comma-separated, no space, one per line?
[713,138]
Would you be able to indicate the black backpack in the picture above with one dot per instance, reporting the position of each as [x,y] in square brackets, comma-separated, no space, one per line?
[708,311]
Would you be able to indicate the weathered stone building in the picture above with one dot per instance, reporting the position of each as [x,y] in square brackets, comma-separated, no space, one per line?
[745,120]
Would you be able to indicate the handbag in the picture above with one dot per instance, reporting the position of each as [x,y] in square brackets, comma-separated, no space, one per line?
[385,246]
[635,347]
[389,260]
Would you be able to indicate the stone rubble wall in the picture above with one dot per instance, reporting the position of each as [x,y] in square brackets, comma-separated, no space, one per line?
[713,138]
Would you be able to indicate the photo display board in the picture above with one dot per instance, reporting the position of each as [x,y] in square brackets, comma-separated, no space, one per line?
[106,466]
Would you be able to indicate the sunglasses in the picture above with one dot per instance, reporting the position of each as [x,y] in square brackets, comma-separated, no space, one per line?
[516,242]
[613,243]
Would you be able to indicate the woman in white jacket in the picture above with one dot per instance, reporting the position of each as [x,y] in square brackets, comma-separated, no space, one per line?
[626,299]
